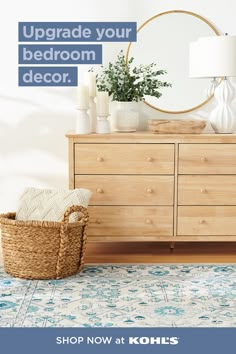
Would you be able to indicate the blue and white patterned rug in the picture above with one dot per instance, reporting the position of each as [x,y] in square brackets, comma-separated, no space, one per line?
[124,296]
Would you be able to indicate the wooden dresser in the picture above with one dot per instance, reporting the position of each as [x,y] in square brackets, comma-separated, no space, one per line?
[149,187]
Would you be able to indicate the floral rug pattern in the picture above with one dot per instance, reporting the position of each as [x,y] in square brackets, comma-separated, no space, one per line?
[186,295]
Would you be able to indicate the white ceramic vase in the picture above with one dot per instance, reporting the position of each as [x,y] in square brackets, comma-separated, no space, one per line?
[223,116]
[125,117]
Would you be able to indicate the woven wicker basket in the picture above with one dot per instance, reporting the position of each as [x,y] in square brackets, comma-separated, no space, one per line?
[43,249]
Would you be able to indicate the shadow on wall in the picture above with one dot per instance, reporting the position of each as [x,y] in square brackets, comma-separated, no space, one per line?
[41,130]
[33,146]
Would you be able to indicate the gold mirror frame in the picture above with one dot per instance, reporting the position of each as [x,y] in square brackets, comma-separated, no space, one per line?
[166,13]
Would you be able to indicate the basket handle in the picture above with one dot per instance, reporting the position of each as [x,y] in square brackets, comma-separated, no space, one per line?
[71,210]
[64,234]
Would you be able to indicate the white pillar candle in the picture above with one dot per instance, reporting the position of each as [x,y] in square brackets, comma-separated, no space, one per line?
[102,104]
[83,97]
[90,81]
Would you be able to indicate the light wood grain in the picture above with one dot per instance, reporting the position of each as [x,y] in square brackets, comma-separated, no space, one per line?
[207,159]
[176,188]
[158,238]
[159,252]
[124,159]
[207,190]
[119,167]
[176,126]
[1,258]
[207,220]
[128,190]
[146,137]
[130,221]
[71,163]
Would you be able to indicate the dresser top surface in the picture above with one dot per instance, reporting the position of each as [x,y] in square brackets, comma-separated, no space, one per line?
[147,137]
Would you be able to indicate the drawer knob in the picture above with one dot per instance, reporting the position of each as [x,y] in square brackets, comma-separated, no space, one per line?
[202,221]
[97,221]
[149,159]
[100,159]
[99,190]
[149,221]
[149,190]
[203,190]
[203,159]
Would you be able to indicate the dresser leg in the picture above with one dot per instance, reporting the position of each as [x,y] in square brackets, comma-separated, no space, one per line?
[172,245]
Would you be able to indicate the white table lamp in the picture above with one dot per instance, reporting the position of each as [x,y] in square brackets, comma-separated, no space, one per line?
[215,57]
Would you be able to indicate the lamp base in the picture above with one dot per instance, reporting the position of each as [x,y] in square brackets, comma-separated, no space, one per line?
[223,116]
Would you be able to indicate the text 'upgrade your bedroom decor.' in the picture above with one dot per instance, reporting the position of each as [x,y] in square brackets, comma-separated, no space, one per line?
[64,54]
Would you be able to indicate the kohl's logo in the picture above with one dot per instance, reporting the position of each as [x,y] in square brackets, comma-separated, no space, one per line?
[154,340]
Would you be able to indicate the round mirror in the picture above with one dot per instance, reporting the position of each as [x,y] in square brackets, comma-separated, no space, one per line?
[164,39]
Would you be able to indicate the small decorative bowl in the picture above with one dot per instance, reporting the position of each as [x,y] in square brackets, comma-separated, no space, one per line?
[176,126]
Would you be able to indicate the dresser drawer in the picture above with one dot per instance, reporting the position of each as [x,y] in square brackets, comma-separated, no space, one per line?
[207,190]
[128,190]
[130,221]
[202,220]
[124,159]
[207,159]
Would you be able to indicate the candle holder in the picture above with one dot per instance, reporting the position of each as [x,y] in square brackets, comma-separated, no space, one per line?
[103,125]
[92,114]
[83,125]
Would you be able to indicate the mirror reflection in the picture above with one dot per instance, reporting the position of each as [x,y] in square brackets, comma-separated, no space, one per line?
[164,39]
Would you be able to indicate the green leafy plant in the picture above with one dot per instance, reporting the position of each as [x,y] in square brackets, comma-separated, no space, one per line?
[126,82]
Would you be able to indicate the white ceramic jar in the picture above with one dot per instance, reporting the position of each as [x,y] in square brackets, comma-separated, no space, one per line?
[125,117]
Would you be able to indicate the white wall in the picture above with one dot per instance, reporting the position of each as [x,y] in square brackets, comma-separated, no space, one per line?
[33,121]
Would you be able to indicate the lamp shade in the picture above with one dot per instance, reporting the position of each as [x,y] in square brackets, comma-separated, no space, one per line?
[212,57]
